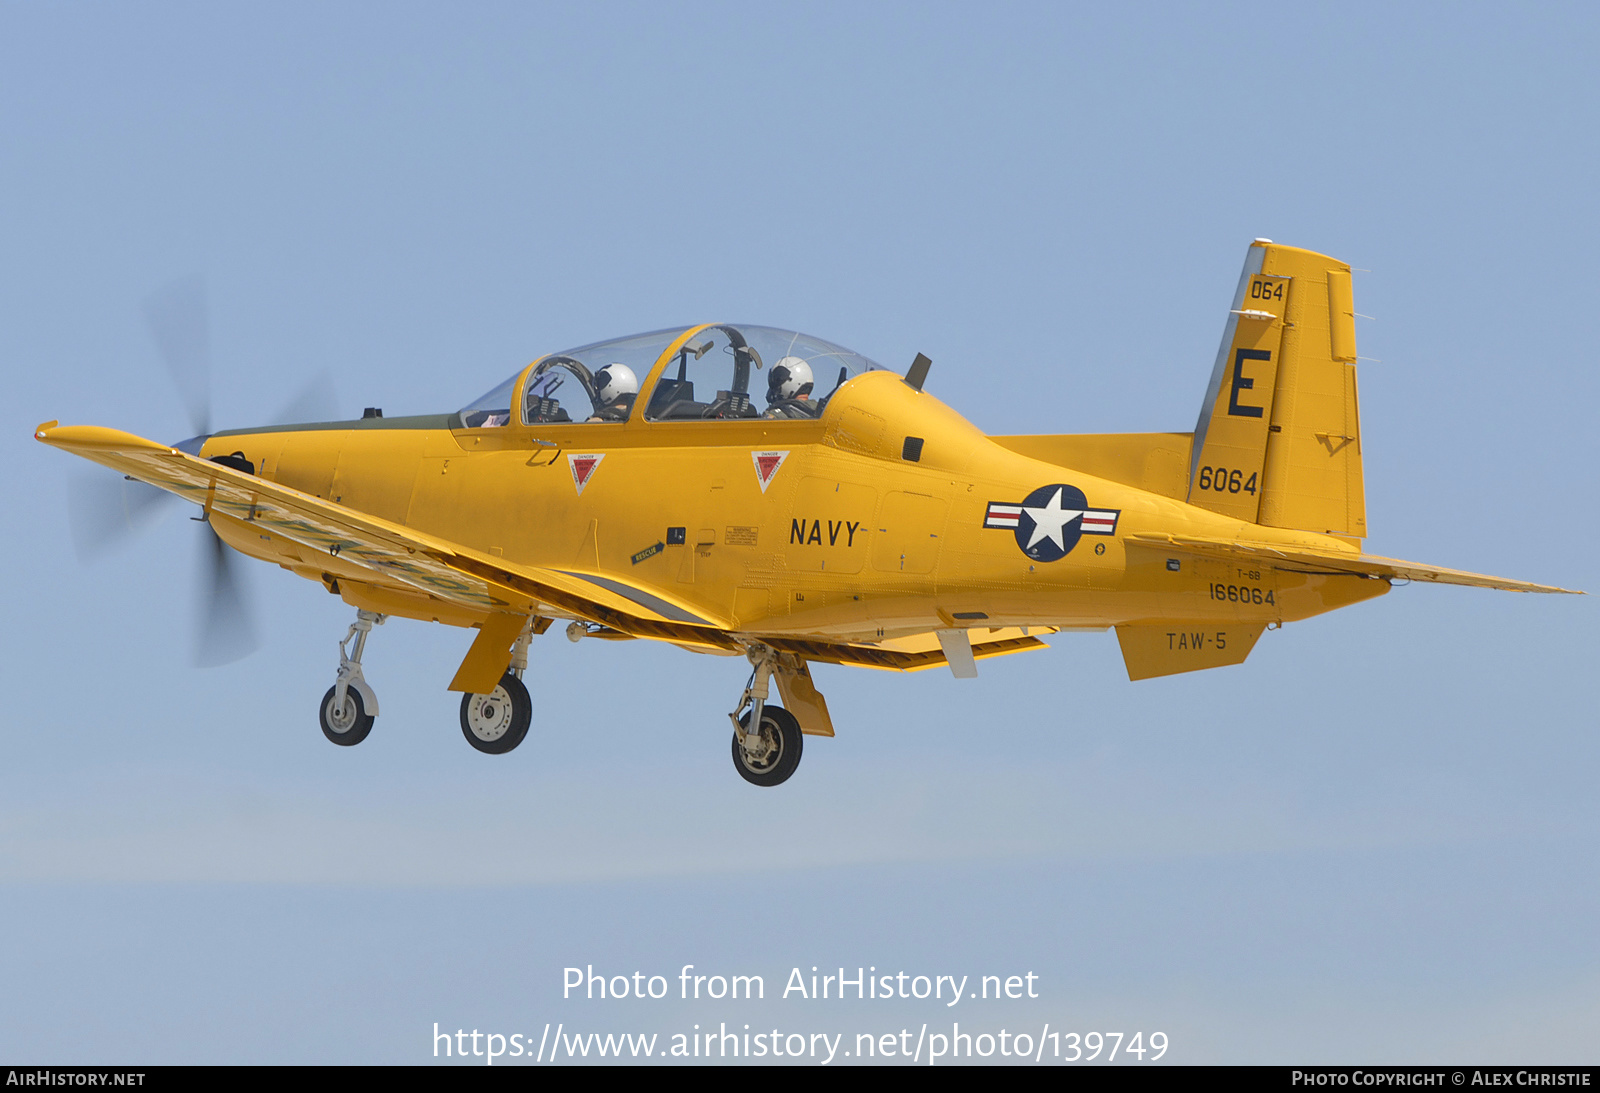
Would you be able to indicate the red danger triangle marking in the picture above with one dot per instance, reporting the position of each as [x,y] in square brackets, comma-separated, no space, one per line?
[583,468]
[767,464]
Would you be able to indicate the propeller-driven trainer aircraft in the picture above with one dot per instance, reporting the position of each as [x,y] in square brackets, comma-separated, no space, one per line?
[758,493]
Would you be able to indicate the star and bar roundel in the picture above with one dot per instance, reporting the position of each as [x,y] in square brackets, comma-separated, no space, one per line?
[1050,520]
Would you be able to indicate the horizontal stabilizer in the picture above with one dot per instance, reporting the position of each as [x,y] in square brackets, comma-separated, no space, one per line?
[1301,559]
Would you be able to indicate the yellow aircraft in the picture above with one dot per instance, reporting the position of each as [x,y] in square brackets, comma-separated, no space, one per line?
[751,492]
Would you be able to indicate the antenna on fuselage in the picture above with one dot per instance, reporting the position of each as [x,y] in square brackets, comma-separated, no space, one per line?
[917,374]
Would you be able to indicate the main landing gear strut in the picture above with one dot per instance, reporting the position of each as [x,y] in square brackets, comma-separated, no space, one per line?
[349,707]
[766,739]
[766,744]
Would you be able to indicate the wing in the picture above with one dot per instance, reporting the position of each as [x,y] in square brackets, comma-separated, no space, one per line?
[395,555]
[390,553]
[1311,560]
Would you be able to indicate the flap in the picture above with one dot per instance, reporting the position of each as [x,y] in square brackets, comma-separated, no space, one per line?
[919,651]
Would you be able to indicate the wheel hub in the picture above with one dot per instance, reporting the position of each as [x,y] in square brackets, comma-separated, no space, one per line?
[342,716]
[489,716]
[760,748]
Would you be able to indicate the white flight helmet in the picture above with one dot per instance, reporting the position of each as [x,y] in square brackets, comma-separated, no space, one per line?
[790,378]
[613,381]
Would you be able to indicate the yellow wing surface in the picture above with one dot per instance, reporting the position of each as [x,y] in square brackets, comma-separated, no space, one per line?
[477,586]
[1305,560]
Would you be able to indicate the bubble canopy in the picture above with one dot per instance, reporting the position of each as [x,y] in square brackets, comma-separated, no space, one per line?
[721,371]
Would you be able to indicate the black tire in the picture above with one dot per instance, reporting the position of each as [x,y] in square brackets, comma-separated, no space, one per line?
[349,726]
[497,722]
[782,733]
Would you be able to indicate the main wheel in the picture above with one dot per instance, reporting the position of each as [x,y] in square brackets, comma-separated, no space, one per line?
[769,761]
[348,724]
[496,722]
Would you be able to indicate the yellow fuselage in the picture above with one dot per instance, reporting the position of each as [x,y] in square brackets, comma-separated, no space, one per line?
[849,541]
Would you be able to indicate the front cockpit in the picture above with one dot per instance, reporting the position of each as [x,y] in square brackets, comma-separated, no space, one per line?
[714,372]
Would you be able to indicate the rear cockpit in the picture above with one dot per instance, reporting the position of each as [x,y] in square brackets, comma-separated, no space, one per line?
[720,372]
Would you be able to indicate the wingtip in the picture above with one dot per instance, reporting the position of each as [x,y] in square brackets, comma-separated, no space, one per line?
[96,437]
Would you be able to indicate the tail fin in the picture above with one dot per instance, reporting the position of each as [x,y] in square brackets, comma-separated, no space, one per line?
[1279,436]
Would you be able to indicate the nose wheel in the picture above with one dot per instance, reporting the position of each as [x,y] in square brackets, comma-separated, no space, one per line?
[345,723]
[496,722]
[350,706]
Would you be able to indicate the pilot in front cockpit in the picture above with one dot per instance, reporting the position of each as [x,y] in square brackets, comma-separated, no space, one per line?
[789,387]
[615,388]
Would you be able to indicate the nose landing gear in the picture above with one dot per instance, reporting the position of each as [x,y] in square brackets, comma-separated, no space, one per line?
[350,706]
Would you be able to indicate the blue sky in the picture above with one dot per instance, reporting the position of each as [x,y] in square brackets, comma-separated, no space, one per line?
[1376,840]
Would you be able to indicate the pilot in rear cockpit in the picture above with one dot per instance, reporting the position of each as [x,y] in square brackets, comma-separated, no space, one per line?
[615,387]
[789,387]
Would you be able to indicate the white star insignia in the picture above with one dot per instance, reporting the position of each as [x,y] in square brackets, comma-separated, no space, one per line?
[1050,521]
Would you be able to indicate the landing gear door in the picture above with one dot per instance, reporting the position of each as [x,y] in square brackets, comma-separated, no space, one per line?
[802,699]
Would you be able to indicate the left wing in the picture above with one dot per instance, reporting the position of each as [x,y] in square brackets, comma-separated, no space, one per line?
[390,552]
[482,584]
